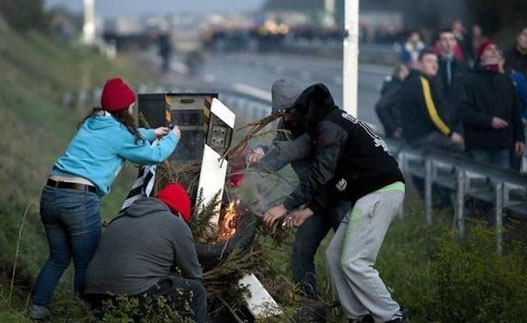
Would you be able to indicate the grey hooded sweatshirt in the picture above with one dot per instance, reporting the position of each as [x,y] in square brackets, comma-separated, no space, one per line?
[296,147]
[139,247]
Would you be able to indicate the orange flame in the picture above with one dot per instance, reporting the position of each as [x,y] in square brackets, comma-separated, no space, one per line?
[228,225]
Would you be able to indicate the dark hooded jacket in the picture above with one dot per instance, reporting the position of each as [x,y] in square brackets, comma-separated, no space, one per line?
[487,95]
[388,106]
[350,159]
[145,243]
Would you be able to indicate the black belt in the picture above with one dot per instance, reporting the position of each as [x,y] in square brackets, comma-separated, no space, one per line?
[70,185]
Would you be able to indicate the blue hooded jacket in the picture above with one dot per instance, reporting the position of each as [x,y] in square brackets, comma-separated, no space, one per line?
[102,144]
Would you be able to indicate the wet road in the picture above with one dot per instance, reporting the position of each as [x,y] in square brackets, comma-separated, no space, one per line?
[254,74]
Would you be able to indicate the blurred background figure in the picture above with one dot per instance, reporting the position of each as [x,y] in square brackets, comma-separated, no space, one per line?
[477,39]
[388,107]
[411,49]
[194,61]
[463,41]
[165,52]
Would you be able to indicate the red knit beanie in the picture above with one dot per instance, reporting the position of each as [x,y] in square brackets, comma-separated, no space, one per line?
[484,46]
[116,95]
[176,197]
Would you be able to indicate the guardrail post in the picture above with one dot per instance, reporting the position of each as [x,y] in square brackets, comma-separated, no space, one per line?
[498,205]
[460,201]
[428,190]
[401,160]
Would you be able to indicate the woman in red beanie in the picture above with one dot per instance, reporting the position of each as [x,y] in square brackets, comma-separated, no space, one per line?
[69,205]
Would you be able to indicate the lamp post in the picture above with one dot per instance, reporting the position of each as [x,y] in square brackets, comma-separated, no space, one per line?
[88,29]
[350,75]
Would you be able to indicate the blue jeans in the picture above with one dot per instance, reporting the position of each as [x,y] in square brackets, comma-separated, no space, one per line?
[496,157]
[307,240]
[72,220]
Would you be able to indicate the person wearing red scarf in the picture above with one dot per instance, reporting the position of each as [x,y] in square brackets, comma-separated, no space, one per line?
[490,111]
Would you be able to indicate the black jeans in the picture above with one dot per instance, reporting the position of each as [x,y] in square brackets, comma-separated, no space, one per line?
[176,290]
[307,240]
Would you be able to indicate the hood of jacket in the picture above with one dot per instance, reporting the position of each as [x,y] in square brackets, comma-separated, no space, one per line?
[146,206]
[313,105]
[284,94]
[103,121]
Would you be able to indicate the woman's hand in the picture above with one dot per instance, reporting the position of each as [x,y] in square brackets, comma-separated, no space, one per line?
[161,131]
[176,132]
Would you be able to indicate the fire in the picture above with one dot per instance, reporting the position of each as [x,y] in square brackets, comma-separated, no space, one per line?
[228,224]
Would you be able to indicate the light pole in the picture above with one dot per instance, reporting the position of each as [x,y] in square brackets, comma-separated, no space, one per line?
[350,73]
[88,29]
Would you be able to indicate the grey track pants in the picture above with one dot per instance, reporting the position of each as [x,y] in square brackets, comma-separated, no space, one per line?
[352,253]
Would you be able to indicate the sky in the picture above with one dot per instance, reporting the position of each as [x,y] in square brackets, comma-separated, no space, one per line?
[109,8]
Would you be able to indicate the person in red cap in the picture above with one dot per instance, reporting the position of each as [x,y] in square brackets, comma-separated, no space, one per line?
[490,111]
[70,206]
[140,249]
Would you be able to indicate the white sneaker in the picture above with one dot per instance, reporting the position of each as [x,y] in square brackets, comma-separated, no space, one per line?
[38,312]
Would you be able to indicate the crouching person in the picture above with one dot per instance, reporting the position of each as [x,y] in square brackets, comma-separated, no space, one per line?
[142,248]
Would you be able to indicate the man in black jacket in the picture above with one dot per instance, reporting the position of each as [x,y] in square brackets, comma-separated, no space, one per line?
[424,119]
[388,109]
[490,111]
[451,71]
[295,149]
[450,75]
[351,163]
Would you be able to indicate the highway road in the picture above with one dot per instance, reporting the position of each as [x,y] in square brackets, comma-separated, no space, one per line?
[254,73]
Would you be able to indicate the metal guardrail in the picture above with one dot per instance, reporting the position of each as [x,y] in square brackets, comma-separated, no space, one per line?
[506,190]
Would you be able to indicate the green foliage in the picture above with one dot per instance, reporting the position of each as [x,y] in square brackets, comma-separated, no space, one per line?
[23,15]
[34,130]
[150,309]
[200,221]
[437,276]
[472,282]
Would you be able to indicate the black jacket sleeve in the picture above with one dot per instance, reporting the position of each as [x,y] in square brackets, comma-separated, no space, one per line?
[330,140]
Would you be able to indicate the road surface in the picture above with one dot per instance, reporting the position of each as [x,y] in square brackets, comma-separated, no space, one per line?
[254,73]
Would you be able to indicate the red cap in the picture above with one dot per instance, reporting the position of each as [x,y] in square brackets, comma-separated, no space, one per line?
[176,197]
[484,46]
[116,95]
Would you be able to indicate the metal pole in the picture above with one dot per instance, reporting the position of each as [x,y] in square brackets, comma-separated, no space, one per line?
[401,160]
[88,29]
[498,204]
[350,73]
[428,191]
[460,202]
